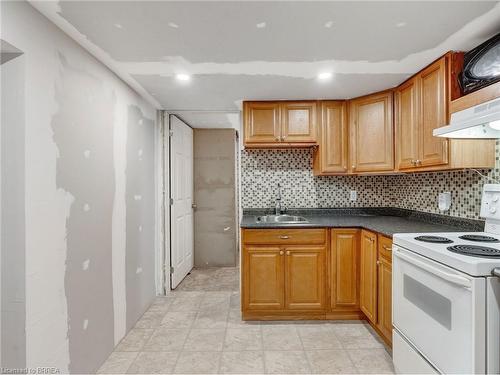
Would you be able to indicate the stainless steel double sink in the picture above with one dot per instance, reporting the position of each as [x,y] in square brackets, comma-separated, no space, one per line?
[285,219]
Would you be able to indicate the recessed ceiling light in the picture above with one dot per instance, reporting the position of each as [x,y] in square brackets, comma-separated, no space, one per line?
[173,25]
[401,24]
[329,24]
[261,25]
[324,76]
[182,77]
[118,26]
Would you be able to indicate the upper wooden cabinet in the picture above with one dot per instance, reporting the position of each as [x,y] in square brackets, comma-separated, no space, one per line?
[421,104]
[299,122]
[407,125]
[280,124]
[331,157]
[433,114]
[262,122]
[371,133]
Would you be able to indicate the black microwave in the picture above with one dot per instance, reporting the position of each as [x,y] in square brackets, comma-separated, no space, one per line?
[481,66]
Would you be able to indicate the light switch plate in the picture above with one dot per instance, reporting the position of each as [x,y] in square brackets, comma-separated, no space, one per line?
[353,196]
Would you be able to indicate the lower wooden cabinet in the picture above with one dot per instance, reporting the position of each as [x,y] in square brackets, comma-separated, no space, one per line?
[368,277]
[384,322]
[305,278]
[263,278]
[344,272]
[282,274]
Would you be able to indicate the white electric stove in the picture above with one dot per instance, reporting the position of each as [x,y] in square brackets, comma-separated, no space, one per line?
[446,298]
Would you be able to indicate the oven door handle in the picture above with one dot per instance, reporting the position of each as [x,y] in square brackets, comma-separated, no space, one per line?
[454,279]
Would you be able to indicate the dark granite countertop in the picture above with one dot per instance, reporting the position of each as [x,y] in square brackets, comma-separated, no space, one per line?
[386,221]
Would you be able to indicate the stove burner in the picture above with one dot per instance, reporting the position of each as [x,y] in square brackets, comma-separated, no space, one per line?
[475,251]
[478,238]
[433,239]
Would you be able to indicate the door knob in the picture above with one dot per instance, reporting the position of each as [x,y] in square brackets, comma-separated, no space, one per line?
[194,205]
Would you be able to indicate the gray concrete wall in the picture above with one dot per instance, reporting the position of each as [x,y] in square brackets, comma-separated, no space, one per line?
[215,226]
[83,168]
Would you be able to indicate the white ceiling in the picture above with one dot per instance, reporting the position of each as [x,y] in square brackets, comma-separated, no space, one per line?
[268,50]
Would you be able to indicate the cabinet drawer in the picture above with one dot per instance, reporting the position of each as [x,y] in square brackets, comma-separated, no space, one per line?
[385,248]
[284,236]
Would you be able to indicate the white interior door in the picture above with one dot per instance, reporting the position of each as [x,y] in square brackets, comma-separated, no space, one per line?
[181,185]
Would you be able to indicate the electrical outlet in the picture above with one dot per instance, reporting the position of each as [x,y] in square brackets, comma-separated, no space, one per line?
[353,196]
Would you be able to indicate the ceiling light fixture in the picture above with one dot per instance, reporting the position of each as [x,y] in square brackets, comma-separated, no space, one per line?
[118,26]
[401,24]
[261,25]
[173,25]
[324,76]
[182,77]
[329,24]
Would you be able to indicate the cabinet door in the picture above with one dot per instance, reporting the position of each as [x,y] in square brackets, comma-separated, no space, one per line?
[433,112]
[371,130]
[263,284]
[384,323]
[333,137]
[262,122]
[305,278]
[407,124]
[344,265]
[298,122]
[368,276]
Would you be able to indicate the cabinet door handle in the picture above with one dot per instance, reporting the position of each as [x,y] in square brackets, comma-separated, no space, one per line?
[378,262]
[386,248]
[288,252]
[278,138]
[282,138]
[284,237]
[281,252]
[353,166]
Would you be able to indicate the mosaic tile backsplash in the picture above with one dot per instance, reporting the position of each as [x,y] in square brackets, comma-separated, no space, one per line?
[262,170]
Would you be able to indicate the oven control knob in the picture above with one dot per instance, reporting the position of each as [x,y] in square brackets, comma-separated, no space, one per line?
[493,210]
[495,198]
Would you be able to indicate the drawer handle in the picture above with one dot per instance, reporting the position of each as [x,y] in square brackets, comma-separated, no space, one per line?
[288,253]
[386,248]
[284,237]
[281,252]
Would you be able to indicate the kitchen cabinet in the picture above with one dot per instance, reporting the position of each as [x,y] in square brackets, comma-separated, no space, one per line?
[384,289]
[263,278]
[299,122]
[407,124]
[305,278]
[371,133]
[421,104]
[433,114]
[344,271]
[280,124]
[331,156]
[283,270]
[368,275]
[262,122]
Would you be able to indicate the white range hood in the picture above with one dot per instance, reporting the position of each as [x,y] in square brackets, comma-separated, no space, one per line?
[480,121]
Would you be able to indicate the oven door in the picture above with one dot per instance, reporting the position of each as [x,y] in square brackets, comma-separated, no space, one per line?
[441,311]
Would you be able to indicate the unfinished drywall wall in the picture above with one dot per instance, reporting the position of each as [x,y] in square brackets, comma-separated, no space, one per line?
[215,225]
[80,151]
[12,232]
[140,193]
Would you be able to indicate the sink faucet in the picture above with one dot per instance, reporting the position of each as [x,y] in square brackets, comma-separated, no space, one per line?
[278,207]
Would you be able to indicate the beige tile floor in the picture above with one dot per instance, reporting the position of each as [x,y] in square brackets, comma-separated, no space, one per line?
[198,329]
